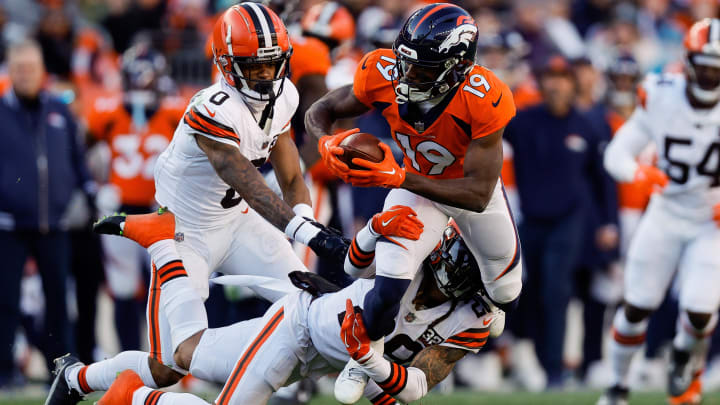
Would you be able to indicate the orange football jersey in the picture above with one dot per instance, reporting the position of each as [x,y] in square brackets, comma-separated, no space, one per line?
[133,150]
[310,56]
[434,143]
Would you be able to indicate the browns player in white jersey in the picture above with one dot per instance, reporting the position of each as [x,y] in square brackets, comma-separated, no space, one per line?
[442,317]
[219,210]
[678,233]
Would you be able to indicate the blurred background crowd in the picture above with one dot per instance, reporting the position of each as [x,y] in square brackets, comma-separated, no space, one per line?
[117,74]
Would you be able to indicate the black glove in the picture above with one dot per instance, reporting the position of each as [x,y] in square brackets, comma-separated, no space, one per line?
[329,243]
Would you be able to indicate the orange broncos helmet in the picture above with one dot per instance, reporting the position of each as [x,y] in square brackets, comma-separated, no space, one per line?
[702,63]
[250,34]
[330,22]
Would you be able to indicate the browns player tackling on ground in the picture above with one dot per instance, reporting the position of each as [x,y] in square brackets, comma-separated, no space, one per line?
[447,115]
[314,332]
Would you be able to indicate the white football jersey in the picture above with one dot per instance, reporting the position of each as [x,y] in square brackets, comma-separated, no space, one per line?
[688,145]
[185,180]
[464,326]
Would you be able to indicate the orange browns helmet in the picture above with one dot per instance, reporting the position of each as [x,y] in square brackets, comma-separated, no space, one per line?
[702,63]
[330,22]
[246,35]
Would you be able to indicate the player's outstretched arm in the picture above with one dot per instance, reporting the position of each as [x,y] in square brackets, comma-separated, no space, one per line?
[337,104]
[240,174]
[483,162]
[436,362]
[407,384]
[286,163]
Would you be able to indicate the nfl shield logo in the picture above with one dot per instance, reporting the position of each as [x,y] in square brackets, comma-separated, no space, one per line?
[179,237]
[410,317]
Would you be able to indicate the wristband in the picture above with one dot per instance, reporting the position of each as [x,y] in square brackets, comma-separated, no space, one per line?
[304,210]
[301,230]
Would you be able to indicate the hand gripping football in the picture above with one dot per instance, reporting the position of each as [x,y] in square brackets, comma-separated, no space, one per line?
[361,145]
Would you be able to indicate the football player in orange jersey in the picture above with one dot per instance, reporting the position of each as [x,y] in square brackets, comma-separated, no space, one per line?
[448,116]
[136,126]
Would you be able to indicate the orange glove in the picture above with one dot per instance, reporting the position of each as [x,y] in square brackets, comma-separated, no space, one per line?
[716,213]
[400,221]
[650,178]
[329,150]
[354,335]
[386,173]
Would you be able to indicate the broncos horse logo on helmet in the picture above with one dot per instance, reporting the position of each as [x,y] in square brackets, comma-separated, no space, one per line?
[435,50]
[248,35]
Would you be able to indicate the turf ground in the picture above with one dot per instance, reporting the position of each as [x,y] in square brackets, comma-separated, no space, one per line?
[573,398]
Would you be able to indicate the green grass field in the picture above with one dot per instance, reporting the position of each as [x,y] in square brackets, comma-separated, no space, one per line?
[572,398]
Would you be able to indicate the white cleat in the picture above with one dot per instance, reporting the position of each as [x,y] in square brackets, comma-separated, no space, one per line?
[350,384]
[497,327]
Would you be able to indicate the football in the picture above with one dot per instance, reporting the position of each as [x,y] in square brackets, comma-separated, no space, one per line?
[361,145]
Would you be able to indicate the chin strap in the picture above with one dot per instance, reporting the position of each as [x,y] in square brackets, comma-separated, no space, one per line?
[705,96]
[267,116]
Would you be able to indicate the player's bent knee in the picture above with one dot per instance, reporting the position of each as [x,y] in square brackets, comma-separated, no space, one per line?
[635,314]
[162,375]
[699,320]
[506,289]
[184,352]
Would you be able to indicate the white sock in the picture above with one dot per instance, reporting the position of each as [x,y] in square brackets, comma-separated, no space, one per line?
[164,398]
[687,337]
[99,376]
[627,339]
[163,251]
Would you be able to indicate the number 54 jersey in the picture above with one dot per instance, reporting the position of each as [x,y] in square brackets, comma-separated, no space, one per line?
[434,142]
[688,143]
[185,180]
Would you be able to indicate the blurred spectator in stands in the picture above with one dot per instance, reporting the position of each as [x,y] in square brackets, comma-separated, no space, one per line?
[95,65]
[378,26]
[601,239]
[136,125]
[651,39]
[55,35]
[86,253]
[558,163]
[188,26]
[586,13]
[545,26]
[41,164]
[127,18]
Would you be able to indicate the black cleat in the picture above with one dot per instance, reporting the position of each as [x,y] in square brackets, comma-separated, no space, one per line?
[680,373]
[110,225]
[615,395]
[60,392]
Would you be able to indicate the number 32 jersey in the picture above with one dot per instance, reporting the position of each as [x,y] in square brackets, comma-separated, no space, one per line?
[688,144]
[185,180]
[434,143]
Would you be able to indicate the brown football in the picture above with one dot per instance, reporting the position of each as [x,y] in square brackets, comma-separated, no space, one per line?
[361,145]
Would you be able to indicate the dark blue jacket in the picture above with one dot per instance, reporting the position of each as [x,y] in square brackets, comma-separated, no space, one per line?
[558,165]
[41,163]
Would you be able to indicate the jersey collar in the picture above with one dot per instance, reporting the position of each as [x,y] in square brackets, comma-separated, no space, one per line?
[413,115]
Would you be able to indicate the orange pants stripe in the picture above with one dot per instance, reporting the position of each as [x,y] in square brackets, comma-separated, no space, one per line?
[247,357]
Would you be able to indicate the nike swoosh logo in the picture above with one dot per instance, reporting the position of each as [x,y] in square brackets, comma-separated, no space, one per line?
[486,322]
[212,114]
[385,223]
[364,62]
[390,173]
[495,104]
[245,211]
